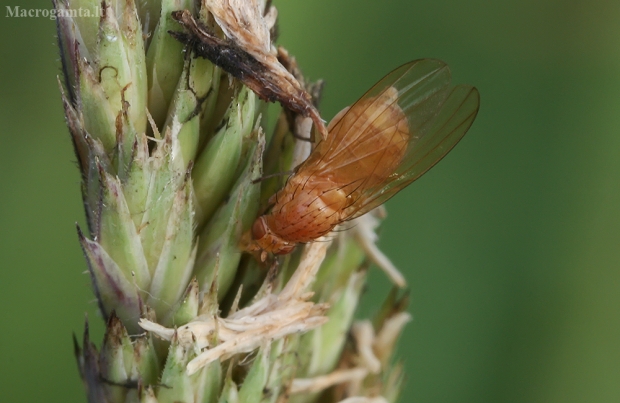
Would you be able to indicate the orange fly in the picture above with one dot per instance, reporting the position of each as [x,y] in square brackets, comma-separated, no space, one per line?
[396,132]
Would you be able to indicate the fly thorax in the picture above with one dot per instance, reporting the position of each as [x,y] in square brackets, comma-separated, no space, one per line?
[308,208]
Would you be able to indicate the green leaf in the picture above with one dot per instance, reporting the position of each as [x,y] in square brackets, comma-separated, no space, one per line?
[176,384]
[320,349]
[164,61]
[122,66]
[115,291]
[118,234]
[177,253]
[214,170]
[251,390]
[164,183]
[116,359]
[219,244]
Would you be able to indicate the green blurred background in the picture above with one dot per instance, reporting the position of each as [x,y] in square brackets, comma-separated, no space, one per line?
[511,244]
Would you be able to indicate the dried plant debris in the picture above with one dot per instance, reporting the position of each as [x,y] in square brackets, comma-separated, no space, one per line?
[364,229]
[364,373]
[247,56]
[272,317]
[300,125]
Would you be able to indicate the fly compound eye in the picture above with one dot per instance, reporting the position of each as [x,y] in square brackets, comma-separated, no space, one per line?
[258,229]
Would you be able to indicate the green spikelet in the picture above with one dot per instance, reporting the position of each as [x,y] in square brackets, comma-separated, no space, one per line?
[171,148]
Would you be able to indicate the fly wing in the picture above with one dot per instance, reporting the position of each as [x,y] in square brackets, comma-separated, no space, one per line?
[455,117]
[413,105]
[351,137]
